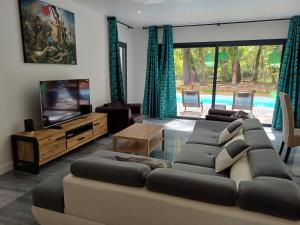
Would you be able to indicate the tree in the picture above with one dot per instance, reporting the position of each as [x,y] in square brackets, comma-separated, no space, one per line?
[202,66]
[186,66]
[257,60]
[235,55]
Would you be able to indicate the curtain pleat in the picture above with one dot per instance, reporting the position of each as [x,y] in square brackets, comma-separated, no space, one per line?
[289,78]
[151,93]
[116,78]
[167,83]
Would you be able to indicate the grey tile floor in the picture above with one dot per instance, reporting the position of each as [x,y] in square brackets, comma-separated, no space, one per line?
[16,187]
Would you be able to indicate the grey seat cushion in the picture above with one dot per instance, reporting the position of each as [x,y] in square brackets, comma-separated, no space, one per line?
[200,170]
[214,126]
[111,170]
[107,154]
[207,132]
[151,162]
[112,155]
[206,188]
[50,193]
[206,149]
[266,162]
[196,158]
[274,196]
[252,124]
[257,139]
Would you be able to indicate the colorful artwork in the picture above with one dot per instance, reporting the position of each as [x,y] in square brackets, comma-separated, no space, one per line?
[48,33]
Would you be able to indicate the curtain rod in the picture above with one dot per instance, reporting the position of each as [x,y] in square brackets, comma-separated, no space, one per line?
[224,23]
[124,24]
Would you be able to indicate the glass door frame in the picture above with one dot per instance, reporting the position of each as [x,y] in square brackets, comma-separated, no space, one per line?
[219,44]
[123,53]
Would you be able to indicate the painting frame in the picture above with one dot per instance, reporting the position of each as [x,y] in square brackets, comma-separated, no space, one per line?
[48,33]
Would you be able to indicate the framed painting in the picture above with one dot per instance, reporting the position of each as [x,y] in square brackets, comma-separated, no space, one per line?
[48,33]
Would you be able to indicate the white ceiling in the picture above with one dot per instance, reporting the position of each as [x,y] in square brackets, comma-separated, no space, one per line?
[158,12]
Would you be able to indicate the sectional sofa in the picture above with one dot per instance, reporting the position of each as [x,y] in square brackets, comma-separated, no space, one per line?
[99,190]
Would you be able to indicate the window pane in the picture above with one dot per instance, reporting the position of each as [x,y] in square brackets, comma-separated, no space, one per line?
[194,70]
[243,70]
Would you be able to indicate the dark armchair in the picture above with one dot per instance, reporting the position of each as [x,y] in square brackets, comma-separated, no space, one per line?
[120,115]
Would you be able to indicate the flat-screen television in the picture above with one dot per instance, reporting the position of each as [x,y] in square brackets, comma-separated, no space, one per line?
[63,100]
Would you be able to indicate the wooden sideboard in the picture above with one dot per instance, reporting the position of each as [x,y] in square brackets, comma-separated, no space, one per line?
[33,149]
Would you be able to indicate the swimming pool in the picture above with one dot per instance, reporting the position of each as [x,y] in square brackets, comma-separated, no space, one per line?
[259,101]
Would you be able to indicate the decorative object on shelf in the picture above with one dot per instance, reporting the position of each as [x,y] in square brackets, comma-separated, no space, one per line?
[29,125]
[48,33]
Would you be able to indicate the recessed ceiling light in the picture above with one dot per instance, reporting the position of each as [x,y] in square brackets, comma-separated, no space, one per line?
[139,12]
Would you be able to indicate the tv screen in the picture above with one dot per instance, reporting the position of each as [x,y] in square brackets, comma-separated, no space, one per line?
[63,100]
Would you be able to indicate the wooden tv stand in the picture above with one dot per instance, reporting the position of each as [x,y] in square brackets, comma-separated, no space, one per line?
[33,149]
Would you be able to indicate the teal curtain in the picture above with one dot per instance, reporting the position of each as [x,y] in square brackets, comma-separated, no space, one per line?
[116,78]
[289,78]
[151,93]
[167,83]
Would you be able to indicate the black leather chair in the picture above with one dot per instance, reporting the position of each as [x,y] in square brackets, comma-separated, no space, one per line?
[121,115]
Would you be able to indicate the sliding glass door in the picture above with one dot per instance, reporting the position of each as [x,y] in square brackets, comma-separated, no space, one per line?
[194,70]
[228,75]
[247,79]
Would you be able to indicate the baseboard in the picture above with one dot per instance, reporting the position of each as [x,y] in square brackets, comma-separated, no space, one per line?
[6,167]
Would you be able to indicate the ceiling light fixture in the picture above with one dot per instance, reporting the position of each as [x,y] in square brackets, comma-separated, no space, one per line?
[139,12]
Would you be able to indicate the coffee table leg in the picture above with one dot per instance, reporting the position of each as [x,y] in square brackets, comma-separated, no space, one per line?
[115,144]
[163,143]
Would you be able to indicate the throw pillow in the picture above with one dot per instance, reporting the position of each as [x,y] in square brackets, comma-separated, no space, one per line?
[230,131]
[240,114]
[152,163]
[231,153]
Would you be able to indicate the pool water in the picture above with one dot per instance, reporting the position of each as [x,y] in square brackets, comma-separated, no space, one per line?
[259,101]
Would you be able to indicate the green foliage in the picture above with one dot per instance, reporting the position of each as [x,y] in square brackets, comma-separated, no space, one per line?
[201,63]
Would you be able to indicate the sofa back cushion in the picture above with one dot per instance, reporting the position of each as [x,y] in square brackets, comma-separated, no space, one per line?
[115,104]
[252,124]
[112,171]
[257,139]
[274,196]
[266,162]
[194,186]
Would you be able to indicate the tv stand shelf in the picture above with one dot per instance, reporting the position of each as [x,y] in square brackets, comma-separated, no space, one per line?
[33,149]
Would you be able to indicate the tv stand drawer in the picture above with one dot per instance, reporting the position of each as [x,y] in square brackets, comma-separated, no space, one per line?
[80,138]
[47,152]
[100,123]
[51,137]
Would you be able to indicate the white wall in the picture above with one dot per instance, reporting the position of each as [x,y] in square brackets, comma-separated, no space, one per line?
[234,32]
[19,94]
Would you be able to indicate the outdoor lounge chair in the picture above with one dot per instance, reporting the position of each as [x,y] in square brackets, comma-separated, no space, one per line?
[243,100]
[191,98]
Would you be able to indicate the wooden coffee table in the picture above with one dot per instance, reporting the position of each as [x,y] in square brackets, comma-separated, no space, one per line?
[140,139]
